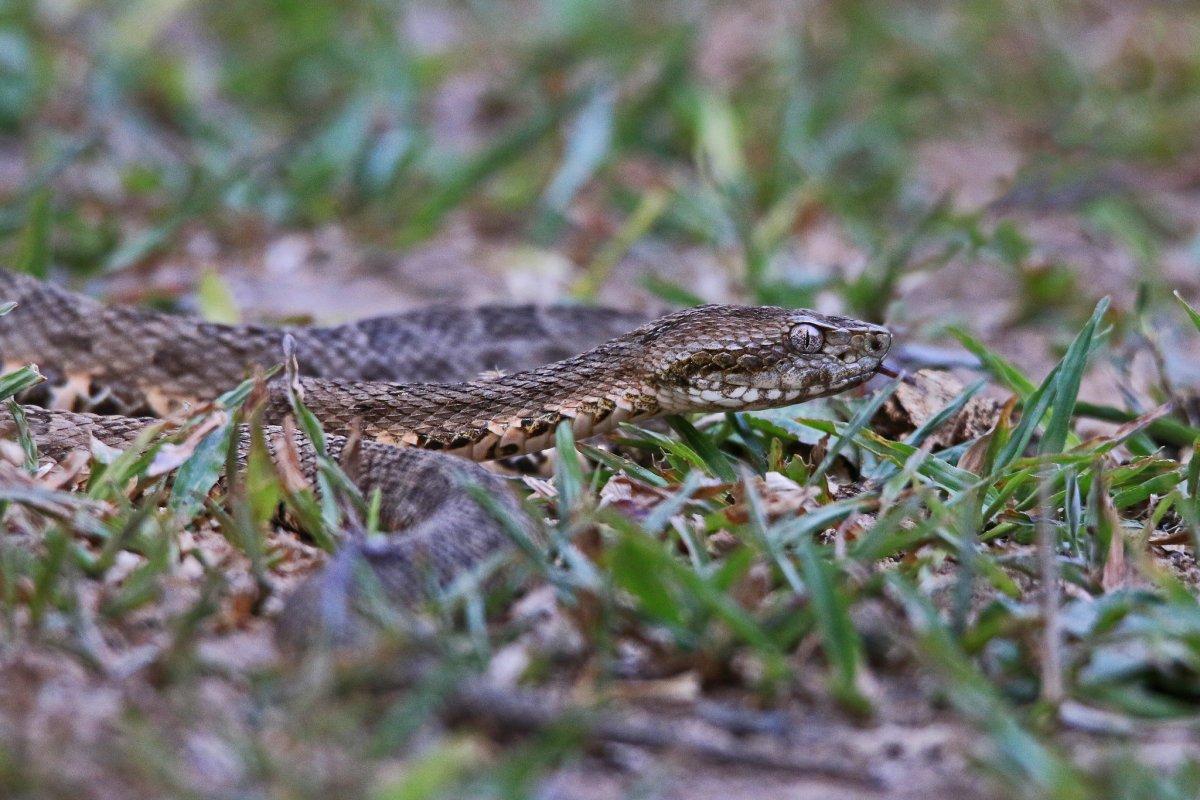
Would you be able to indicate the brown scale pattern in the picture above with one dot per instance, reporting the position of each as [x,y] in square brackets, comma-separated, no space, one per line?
[148,360]
[483,419]
[702,359]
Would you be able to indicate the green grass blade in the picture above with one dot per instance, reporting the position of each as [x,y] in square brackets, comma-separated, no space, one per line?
[512,527]
[24,437]
[1192,313]
[856,424]
[1022,759]
[1066,384]
[632,564]
[34,256]
[619,464]
[1000,368]
[788,532]
[1166,430]
[670,292]
[716,461]
[884,471]
[758,525]
[464,179]
[568,472]
[215,299]
[196,476]
[657,519]
[17,381]
[681,455]
[589,142]
[233,398]
[1193,476]
[830,607]
[945,475]
[1034,408]
[651,207]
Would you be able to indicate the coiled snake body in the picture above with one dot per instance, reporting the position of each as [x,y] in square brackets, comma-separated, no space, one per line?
[377,372]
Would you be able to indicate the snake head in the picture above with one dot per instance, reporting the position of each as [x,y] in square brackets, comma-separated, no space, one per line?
[719,357]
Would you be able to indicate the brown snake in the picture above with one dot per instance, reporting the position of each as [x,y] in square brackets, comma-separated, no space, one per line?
[711,358]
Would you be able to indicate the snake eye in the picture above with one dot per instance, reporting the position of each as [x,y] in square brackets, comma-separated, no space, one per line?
[807,338]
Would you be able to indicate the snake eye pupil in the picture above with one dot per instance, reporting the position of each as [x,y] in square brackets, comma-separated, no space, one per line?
[807,338]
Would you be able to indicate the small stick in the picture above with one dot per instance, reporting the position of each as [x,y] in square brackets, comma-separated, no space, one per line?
[530,711]
[1052,681]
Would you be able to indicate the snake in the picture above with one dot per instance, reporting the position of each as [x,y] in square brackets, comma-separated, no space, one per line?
[431,393]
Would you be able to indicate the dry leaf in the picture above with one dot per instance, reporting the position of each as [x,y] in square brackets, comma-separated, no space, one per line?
[1130,428]
[780,496]
[722,542]
[974,460]
[1116,573]
[632,498]
[171,456]
[287,459]
[753,587]
[540,487]
[921,397]
[681,688]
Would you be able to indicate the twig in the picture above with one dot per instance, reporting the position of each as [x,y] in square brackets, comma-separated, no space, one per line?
[740,721]
[1052,681]
[527,711]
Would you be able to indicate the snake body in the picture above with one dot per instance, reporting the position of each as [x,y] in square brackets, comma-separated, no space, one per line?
[135,361]
[376,373]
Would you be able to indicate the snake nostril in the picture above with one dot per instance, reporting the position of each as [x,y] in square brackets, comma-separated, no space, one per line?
[878,342]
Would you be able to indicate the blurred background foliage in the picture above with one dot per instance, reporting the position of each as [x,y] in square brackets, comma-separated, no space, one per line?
[719,125]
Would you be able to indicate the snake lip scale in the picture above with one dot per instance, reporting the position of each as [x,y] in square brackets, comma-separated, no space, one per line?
[376,373]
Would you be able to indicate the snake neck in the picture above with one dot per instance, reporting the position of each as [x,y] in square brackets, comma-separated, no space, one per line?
[489,418]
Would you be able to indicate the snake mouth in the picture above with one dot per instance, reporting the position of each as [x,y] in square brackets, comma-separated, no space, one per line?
[849,375]
[772,389]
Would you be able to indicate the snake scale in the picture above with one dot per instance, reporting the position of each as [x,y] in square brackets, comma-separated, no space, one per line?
[506,378]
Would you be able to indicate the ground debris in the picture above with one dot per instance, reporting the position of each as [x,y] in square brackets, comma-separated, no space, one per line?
[925,393]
